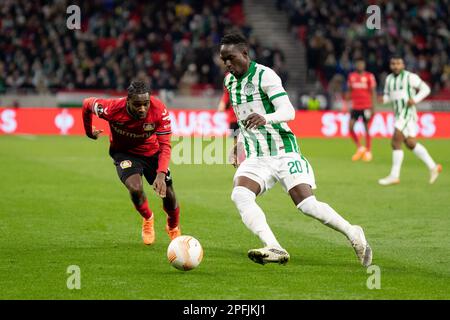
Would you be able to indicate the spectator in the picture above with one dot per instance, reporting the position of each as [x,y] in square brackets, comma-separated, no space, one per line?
[117,39]
[334,33]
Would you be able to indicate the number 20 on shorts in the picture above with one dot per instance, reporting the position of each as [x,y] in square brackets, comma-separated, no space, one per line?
[296,166]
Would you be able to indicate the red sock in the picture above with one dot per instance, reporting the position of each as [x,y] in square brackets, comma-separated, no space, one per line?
[368,141]
[355,138]
[173,217]
[144,210]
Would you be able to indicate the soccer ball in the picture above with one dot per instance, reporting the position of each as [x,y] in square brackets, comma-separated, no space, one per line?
[185,253]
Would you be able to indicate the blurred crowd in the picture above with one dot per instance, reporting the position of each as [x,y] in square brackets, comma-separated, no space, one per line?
[173,43]
[334,33]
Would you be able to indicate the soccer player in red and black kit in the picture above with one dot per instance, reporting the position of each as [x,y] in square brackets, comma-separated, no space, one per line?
[140,145]
[225,106]
[362,91]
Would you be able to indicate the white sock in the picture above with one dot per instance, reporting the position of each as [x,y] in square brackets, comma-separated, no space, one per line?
[397,159]
[252,215]
[325,214]
[422,153]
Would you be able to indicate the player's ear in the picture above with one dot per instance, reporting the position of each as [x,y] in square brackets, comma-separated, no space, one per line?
[245,52]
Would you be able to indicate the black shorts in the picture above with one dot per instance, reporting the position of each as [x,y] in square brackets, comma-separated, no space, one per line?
[128,164]
[365,114]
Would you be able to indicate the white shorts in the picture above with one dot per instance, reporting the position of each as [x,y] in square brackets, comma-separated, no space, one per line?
[408,127]
[289,169]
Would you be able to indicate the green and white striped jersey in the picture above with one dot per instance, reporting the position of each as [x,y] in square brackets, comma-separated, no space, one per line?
[254,93]
[398,89]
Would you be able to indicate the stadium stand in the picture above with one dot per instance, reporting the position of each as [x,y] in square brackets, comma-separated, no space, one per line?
[173,42]
[334,33]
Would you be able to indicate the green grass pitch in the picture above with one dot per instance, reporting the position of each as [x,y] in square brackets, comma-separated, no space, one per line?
[62,204]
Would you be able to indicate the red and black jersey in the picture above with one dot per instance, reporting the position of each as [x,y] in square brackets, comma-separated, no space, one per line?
[361,85]
[143,137]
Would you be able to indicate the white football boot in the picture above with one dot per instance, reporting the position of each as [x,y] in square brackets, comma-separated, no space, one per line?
[269,255]
[361,247]
[389,180]
[434,173]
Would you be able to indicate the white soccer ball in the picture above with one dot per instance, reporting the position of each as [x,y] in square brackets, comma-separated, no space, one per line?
[185,253]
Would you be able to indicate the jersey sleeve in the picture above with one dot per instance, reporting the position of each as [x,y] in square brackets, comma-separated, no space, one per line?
[164,126]
[386,96]
[102,108]
[414,80]
[163,134]
[417,83]
[271,84]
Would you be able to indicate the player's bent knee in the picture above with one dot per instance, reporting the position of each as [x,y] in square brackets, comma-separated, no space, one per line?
[410,144]
[241,195]
[135,189]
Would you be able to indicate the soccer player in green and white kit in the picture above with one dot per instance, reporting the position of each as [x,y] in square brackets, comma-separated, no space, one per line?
[400,89]
[272,154]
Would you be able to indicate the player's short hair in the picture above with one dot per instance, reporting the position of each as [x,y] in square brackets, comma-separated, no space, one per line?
[395,56]
[235,38]
[138,87]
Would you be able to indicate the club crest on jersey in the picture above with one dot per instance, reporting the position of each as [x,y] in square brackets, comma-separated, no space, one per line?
[249,88]
[125,164]
[149,126]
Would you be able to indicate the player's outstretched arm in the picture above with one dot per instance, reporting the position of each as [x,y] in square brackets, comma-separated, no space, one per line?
[165,150]
[159,185]
[386,97]
[90,130]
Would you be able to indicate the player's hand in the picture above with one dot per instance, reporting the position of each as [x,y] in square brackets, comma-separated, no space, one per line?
[160,184]
[254,120]
[233,156]
[96,133]
[221,107]
[411,102]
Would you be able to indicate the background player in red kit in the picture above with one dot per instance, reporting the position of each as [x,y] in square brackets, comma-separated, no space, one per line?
[362,91]
[140,145]
[225,106]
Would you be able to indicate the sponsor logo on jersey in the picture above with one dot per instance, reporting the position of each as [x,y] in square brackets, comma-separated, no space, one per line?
[249,88]
[125,164]
[149,126]
[128,134]
[98,109]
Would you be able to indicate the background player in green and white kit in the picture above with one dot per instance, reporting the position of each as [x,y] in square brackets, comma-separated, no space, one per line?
[404,90]
[272,154]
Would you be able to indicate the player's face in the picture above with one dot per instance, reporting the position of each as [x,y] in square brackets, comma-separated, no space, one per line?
[236,59]
[397,65]
[138,105]
[360,65]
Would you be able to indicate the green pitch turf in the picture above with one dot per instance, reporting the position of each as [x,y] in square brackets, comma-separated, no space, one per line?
[62,204]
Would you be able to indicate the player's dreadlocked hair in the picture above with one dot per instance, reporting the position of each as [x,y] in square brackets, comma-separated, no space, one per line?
[235,38]
[138,87]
